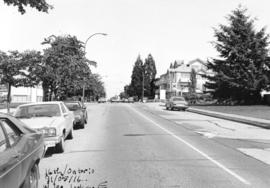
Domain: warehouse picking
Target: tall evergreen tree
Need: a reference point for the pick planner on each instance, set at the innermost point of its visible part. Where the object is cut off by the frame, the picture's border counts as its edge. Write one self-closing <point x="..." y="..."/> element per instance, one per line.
<point x="150" y="75"/>
<point x="193" y="82"/>
<point x="241" y="72"/>
<point x="137" y="78"/>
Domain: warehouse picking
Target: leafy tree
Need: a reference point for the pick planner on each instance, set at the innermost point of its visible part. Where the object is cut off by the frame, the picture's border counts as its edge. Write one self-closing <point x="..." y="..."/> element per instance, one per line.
<point x="12" y="72"/>
<point x="63" y="66"/>
<point x="242" y="70"/>
<point x="95" y="87"/>
<point x="40" y="5"/>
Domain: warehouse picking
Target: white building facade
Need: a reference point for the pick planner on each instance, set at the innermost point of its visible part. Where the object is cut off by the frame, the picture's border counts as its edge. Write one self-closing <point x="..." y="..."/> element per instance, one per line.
<point x="23" y="94"/>
<point x="177" y="79"/>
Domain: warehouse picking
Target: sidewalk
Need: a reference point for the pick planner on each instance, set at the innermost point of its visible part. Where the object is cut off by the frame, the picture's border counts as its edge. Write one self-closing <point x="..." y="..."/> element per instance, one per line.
<point x="258" y="122"/>
<point x="263" y="123"/>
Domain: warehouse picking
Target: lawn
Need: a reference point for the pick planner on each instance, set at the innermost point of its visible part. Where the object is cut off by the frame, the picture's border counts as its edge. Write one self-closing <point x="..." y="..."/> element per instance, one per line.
<point x="256" y="111"/>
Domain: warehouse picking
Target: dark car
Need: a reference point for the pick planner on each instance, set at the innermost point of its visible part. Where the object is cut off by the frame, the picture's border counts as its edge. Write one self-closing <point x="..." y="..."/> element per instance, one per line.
<point x="21" y="150"/>
<point x="176" y="103"/>
<point x="80" y="113"/>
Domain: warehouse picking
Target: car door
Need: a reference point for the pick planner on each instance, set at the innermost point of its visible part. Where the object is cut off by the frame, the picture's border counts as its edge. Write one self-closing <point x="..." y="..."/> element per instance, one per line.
<point x="10" y="158"/>
<point x="83" y="107"/>
<point x="68" y="116"/>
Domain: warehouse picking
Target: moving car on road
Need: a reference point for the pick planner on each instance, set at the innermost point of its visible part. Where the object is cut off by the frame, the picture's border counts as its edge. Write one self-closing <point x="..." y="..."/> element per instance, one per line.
<point x="131" y="100"/>
<point x="176" y="103"/>
<point x="53" y="119"/>
<point x="21" y="150"/>
<point x="80" y="112"/>
<point x="102" y="100"/>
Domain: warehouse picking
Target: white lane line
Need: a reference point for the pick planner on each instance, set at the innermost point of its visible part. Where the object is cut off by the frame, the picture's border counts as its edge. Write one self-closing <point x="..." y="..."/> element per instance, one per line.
<point x="195" y="149"/>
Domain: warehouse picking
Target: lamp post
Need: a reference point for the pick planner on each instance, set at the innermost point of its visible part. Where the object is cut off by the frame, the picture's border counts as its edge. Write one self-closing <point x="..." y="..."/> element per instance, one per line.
<point x="104" y="34"/>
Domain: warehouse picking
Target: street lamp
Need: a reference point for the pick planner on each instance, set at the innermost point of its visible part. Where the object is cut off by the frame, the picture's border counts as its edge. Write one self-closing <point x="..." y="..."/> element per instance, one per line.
<point x="93" y="63"/>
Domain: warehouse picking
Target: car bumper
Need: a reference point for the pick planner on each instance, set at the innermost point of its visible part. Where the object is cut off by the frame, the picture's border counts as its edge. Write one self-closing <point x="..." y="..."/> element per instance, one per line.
<point x="179" y="106"/>
<point x="78" y="121"/>
<point x="51" y="141"/>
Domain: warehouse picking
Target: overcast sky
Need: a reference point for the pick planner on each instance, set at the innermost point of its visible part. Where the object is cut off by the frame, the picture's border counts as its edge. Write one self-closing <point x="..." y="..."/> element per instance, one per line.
<point x="168" y="29"/>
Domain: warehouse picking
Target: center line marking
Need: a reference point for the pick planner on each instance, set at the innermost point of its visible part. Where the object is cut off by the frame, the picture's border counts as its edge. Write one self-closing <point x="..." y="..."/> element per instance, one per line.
<point x="194" y="148"/>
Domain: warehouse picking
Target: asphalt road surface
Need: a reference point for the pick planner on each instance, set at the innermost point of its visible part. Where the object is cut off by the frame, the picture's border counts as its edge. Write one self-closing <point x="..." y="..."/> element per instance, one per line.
<point x="140" y="146"/>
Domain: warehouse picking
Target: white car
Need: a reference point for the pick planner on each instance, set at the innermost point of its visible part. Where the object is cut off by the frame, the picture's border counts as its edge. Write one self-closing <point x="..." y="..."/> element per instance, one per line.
<point x="53" y="119"/>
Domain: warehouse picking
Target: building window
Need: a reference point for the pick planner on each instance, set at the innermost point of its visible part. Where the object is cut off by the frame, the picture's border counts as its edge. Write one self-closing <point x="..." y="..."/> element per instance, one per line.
<point x="20" y="98"/>
<point x="185" y="75"/>
<point x="39" y="98"/>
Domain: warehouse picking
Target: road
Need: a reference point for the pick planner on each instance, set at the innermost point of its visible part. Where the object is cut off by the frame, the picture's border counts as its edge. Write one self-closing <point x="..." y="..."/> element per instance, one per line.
<point x="142" y="146"/>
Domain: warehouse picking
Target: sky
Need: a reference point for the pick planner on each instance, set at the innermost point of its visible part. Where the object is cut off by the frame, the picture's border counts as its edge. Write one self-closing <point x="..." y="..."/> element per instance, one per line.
<point x="168" y="29"/>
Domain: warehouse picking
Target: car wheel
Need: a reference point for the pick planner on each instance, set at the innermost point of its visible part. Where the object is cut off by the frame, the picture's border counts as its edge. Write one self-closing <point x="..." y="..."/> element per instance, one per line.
<point x="70" y="135"/>
<point x="60" y="147"/>
<point x="31" y="180"/>
<point x="82" y="124"/>
<point x="85" y="121"/>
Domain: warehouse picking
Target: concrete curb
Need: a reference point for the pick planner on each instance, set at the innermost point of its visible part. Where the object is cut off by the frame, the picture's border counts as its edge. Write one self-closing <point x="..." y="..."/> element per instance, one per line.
<point x="240" y="119"/>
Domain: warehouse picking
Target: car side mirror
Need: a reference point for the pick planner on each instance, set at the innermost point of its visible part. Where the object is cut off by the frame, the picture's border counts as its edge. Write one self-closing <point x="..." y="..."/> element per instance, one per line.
<point x="65" y="114"/>
<point x="84" y="107"/>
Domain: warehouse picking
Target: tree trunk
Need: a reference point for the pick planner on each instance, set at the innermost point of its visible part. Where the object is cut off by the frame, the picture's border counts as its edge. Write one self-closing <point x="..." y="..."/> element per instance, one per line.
<point x="8" y="98"/>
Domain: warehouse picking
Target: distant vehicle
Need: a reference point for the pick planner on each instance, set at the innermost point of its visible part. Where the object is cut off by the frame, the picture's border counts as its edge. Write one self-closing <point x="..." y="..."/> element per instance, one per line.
<point x="101" y="100"/>
<point x="80" y="112"/>
<point x="176" y="103"/>
<point x="131" y="100"/>
<point x="144" y="99"/>
<point x="53" y="119"/>
<point x="21" y="150"/>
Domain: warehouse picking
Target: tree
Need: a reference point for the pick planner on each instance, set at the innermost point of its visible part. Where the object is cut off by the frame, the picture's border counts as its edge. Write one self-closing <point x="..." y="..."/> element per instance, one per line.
<point x="193" y="82"/>
<point x="95" y="87"/>
<point x="242" y="70"/>
<point x="137" y="78"/>
<point x="12" y="72"/>
<point x="150" y="75"/>
<point x="63" y="67"/>
<point x="40" y="5"/>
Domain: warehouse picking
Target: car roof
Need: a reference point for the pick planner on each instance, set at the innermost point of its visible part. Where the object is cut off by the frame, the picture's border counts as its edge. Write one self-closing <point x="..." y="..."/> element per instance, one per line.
<point x="71" y="101"/>
<point x="37" y="103"/>
<point x="177" y="97"/>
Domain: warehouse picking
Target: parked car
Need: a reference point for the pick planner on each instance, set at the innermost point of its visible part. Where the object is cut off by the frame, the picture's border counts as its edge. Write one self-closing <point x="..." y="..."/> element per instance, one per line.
<point x="53" y="119"/>
<point x="176" y="103"/>
<point x="102" y="100"/>
<point x="21" y="150"/>
<point x="80" y="113"/>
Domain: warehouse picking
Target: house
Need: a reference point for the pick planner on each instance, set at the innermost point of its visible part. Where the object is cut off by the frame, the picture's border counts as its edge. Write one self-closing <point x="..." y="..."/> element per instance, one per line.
<point x="23" y="94"/>
<point x="176" y="81"/>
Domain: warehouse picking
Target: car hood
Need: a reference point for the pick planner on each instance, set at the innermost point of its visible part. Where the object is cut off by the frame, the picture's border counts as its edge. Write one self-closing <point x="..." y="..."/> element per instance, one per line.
<point x="39" y="122"/>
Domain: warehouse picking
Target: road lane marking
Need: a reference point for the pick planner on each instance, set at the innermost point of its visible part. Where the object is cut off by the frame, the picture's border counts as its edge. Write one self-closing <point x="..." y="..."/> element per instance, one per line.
<point x="194" y="148"/>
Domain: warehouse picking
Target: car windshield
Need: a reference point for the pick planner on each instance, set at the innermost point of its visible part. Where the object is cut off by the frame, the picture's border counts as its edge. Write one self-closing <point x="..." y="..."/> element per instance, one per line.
<point x="39" y="110"/>
<point x="73" y="106"/>
<point x="178" y="99"/>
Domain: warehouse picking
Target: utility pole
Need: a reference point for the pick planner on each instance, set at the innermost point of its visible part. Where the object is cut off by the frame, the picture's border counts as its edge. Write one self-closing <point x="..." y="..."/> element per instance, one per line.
<point x="104" y="34"/>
